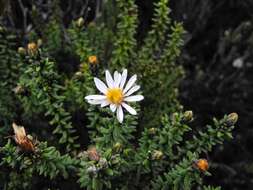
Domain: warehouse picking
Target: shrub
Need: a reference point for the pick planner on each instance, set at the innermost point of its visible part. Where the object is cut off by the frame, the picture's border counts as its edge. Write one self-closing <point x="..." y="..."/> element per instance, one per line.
<point x="77" y="145"/>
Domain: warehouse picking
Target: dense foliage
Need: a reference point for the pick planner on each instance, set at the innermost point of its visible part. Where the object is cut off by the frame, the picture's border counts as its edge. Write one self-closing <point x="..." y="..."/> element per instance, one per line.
<point x="73" y="144"/>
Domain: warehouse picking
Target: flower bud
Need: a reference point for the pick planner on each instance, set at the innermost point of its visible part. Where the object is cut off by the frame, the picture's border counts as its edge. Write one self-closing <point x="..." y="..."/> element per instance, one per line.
<point x="202" y="165"/>
<point x="152" y="131"/>
<point x="80" y="22"/>
<point x="231" y="119"/>
<point x="93" y="154"/>
<point x="188" y="116"/>
<point x="21" y="51"/>
<point x="32" y="48"/>
<point x="174" y="117"/>
<point x="39" y="42"/>
<point x="83" y="67"/>
<point x="78" y="74"/>
<point x="117" y="147"/>
<point x="93" y="60"/>
<point x="227" y="33"/>
<point x="157" y="155"/>
<point x="18" y="89"/>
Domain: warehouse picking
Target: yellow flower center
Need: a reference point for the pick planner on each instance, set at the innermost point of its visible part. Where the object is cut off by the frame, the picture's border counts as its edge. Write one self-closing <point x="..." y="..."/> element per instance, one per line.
<point x="114" y="95"/>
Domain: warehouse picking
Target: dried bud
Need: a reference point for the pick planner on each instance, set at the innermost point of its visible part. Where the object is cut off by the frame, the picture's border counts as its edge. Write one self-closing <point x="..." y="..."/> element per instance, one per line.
<point x="152" y="131"/>
<point x="22" y="140"/>
<point x="157" y="155"/>
<point x="93" y="60"/>
<point x="231" y="119"/>
<point x="80" y="22"/>
<point x="117" y="147"/>
<point x="21" y="51"/>
<point x="93" y="154"/>
<point x="188" y="116"/>
<point x="18" y="90"/>
<point x="32" y="48"/>
<point x="202" y="165"/>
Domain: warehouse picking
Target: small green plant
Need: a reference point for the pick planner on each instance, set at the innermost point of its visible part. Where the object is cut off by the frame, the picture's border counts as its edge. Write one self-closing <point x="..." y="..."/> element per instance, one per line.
<point x="85" y="133"/>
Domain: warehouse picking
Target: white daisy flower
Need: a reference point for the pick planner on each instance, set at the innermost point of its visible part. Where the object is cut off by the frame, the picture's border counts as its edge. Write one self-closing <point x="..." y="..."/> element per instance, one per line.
<point x="116" y="93"/>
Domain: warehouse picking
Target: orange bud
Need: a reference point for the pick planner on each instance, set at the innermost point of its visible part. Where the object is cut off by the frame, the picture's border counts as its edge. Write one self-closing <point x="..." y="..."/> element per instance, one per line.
<point x="202" y="165"/>
<point x="93" y="59"/>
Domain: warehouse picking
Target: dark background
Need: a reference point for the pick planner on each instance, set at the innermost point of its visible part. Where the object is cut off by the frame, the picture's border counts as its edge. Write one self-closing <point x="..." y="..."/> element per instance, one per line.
<point x="218" y="61"/>
<point x="219" y="35"/>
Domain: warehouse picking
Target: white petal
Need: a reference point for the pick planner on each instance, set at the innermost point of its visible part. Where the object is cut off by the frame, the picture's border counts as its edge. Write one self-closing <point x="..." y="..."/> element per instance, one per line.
<point x="135" y="98"/>
<point x="115" y="75"/>
<point x="117" y="78"/>
<point x="123" y="78"/>
<point x="104" y="103"/>
<point x="130" y="83"/>
<point x="109" y="79"/>
<point x="133" y="90"/>
<point x="100" y="85"/>
<point x="113" y="107"/>
<point x="129" y="109"/>
<point x="95" y="97"/>
<point x="95" y="102"/>
<point x="120" y="114"/>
